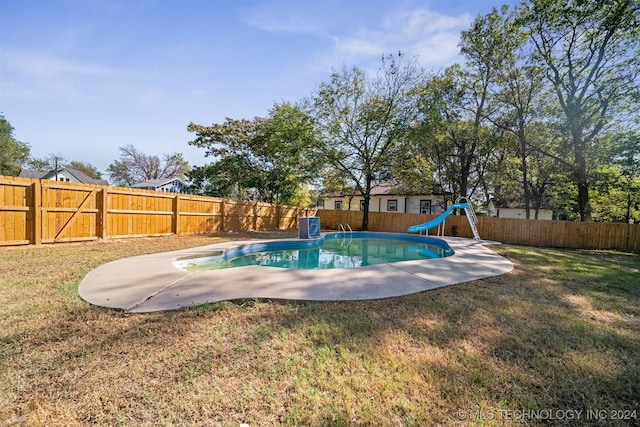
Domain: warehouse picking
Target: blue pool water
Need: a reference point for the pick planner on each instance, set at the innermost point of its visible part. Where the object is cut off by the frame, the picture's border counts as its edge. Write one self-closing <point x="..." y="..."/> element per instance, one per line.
<point x="337" y="250"/>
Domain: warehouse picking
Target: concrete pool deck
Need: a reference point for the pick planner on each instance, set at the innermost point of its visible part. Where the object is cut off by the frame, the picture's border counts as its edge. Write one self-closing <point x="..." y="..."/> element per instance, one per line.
<point x="150" y="283"/>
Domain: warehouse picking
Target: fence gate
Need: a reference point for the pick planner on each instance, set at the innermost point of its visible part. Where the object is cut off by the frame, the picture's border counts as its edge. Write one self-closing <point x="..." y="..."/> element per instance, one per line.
<point x="69" y="213"/>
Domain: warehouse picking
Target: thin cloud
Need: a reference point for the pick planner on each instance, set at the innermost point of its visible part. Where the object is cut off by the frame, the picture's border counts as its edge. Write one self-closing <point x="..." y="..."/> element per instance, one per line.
<point x="357" y="47"/>
<point x="38" y="76"/>
<point x="424" y="21"/>
<point x="271" y="17"/>
<point x="286" y="24"/>
<point x="430" y="36"/>
<point x="41" y="65"/>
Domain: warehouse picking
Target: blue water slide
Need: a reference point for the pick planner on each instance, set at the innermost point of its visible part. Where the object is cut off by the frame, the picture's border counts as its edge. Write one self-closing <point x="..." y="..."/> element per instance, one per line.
<point x="438" y="220"/>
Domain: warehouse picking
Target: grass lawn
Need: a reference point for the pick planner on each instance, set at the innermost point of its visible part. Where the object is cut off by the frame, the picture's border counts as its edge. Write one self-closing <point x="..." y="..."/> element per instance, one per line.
<point x="556" y="341"/>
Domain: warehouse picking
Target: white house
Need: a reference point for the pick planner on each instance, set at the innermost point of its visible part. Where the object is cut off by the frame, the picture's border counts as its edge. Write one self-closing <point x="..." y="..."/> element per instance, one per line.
<point x="170" y="185"/>
<point x="516" y="212"/>
<point x="385" y="197"/>
<point x="63" y="174"/>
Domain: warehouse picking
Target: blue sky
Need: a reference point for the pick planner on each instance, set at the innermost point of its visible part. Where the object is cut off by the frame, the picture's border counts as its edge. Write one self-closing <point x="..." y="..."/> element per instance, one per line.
<point x="80" y="78"/>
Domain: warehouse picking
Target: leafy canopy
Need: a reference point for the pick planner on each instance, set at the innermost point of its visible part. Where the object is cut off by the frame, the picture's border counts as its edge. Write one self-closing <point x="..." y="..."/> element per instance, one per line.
<point x="264" y="159"/>
<point x="361" y="120"/>
<point x="13" y="153"/>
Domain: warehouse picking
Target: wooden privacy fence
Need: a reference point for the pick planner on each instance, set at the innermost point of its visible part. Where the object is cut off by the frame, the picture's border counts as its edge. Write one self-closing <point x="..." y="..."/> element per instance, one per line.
<point x="561" y="234"/>
<point x="34" y="211"/>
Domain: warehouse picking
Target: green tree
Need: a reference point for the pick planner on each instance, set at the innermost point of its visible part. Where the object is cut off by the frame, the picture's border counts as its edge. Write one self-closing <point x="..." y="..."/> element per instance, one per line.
<point x="237" y="171"/>
<point x="412" y="161"/>
<point x="453" y="128"/>
<point x="261" y="159"/>
<point x="292" y="138"/>
<point x="45" y="163"/>
<point x="517" y="94"/>
<point x="135" y="166"/>
<point x="628" y="162"/>
<point x="231" y="177"/>
<point x="486" y="48"/>
<point x="13" y="153"/>
<point x="362" y="119"/>
<point x="453" y="133"/>
<point x="87" y="168"/>
<point x="589" y="52"/>
<point x="543" y="171"/>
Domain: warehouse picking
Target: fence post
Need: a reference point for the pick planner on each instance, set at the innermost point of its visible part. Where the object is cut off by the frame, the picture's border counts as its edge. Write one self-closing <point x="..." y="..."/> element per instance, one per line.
<point x="102" y="205"/>
<point x="222" y="213"/>
<point x="37" y="212"/>
<point x="255" y="216"/>
<point x="175" y="221"/>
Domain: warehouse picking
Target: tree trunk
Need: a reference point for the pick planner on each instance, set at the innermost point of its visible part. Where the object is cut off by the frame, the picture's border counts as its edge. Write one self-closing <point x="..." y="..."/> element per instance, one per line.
<point x="367" y="199"/>
<point x="627" y="215"/>
<point x="365" y="216"/>
<point x="584" y="205"/>
<point x="525" y="171"/>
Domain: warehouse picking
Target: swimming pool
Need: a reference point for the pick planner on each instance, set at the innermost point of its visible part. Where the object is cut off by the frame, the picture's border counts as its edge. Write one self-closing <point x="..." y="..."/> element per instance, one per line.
<point x="149" y="283"/>
<point x="336" y="250"/>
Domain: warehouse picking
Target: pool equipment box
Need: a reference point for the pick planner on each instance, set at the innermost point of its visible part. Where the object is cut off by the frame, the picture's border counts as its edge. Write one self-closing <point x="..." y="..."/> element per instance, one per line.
<point x="309" y="227"/>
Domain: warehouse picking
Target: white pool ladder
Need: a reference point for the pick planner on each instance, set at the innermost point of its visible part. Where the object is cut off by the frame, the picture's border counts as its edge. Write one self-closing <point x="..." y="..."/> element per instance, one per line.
<point x="344" y="228"/>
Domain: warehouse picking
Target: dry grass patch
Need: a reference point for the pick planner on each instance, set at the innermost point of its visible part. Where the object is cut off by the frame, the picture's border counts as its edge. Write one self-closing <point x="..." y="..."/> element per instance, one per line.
<point x="559" y="333"/>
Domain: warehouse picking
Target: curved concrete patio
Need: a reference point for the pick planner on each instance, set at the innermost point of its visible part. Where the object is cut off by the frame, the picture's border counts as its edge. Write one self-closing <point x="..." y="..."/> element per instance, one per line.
<point x="151" y="283"/>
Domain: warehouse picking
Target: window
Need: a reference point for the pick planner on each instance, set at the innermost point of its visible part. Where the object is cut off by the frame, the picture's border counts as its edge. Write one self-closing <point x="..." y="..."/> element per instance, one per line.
<point x="362" y="205"/>
<point x="338" y="205"/>
<point x="392" y="205"/>
<point x="425" y="207"/>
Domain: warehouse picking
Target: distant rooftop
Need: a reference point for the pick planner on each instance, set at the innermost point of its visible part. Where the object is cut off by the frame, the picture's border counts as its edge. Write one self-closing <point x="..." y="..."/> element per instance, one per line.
<point x="77" y="174"/>
<point x="155" y="182"/>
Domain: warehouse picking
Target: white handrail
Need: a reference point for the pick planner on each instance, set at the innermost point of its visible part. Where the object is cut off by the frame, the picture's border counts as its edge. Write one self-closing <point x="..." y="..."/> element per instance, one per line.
<point x="343" y="229"/>
<point x="471" y="216"/>
<point x="473" y="220"/>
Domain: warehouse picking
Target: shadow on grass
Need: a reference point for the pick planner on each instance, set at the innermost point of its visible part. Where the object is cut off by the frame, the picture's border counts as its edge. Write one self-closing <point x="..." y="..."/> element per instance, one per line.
<point x="560" y="332"/>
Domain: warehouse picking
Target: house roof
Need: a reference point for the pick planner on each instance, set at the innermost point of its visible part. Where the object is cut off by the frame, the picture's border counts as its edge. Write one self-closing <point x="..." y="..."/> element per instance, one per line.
<point x="83" y="177"/>
<point x="78" y="174"/>
<point x="387" y="188"/>
<point x="157" y="182"/>
<point x="31" y="174"/>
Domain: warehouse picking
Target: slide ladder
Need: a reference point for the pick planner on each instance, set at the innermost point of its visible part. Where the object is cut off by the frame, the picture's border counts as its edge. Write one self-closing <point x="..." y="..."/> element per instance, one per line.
<point x="473" y="220"/>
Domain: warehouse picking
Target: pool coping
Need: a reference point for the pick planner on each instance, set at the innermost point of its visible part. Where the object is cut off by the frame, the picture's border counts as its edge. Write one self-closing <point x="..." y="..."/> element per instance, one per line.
<point x="150" y="283"/>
